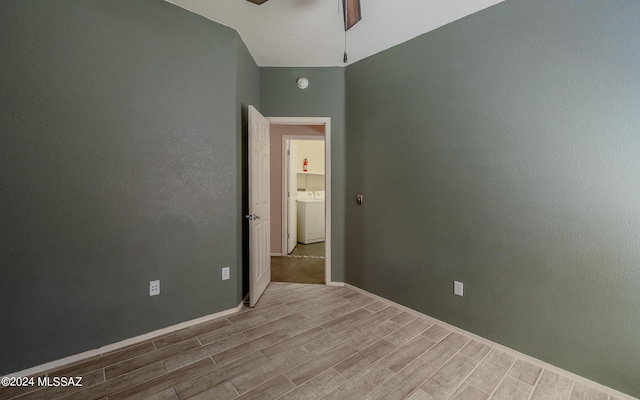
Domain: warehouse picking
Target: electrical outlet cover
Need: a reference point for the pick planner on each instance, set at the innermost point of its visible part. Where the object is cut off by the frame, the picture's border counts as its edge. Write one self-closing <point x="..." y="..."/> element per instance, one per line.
<point x="154" y="288"/>
<point x="225" y="273"/>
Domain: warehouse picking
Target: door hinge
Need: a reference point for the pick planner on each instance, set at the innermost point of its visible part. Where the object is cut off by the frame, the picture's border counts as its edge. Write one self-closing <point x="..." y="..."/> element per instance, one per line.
<point x="288" y="152"/>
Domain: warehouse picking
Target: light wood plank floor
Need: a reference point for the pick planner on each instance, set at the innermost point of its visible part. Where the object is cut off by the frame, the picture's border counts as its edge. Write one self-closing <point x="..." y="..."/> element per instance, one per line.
<point x="312" y="342"/>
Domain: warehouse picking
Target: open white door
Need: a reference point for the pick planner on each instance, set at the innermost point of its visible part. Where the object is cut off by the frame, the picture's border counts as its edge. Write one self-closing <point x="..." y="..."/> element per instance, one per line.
<point x="292" y="190"/>
<point x="259" y="211"/>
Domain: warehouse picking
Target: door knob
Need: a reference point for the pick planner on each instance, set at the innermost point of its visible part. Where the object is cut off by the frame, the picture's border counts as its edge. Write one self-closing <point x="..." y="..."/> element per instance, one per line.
<point x="251" y="217"/>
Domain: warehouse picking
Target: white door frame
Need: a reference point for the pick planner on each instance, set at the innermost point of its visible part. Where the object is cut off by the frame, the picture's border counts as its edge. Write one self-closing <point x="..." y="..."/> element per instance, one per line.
<point x="326" y="122"/>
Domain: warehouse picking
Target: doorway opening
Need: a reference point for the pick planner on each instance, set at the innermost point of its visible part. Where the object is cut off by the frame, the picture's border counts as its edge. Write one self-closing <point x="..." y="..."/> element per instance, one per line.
<point x="300" y="201"/>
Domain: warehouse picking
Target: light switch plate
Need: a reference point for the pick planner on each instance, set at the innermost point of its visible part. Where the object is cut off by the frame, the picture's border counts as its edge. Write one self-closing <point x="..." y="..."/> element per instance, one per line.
<point x="458" y="288"/>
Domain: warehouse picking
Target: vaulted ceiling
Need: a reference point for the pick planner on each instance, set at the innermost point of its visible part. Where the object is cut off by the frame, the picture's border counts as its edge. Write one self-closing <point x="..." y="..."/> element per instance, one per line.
<point x="311" y="32"/>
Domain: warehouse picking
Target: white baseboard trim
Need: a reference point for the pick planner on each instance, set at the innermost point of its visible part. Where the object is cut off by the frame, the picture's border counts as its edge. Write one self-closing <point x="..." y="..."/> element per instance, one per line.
<point x="124" y="343"/>
<point x="276" y="255"/>
<point x="335" y="283"/>
<point x="515" y="353"/>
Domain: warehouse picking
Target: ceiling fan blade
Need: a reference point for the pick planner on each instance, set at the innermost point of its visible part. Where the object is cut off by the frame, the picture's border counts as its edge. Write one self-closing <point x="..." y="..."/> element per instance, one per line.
<point x="258" y="2"/>
<point x="352" y="13"/>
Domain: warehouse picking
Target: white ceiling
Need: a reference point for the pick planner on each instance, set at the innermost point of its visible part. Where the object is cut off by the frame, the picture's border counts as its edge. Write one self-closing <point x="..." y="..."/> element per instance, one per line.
<point x="311" y="32"/>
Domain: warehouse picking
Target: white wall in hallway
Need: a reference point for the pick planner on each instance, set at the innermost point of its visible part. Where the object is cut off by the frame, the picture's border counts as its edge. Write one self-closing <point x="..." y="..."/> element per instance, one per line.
<point x="313" y="151"/>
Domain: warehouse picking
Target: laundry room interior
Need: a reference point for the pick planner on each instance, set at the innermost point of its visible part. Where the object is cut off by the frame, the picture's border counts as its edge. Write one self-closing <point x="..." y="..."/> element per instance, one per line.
<point x="298" y="203"/>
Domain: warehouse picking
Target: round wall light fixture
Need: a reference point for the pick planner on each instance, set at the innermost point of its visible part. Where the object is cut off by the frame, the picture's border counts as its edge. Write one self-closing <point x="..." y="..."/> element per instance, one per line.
<point x="302" y="82"/>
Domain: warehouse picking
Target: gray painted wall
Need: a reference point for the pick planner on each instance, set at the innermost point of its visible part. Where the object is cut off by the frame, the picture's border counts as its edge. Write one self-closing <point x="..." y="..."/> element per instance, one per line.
<point x="120" y="162"/>
<point x="280" y="97"/>
<point x="502" y="151"/>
